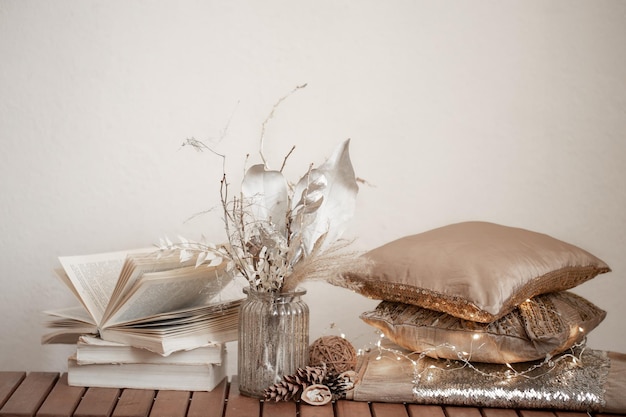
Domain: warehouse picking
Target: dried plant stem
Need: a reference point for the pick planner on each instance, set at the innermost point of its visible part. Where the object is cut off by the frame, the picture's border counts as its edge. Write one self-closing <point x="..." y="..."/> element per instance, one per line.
<point x="304" y="203"/>
<point x="228" y="219"/>
<point x="287" y="157"/>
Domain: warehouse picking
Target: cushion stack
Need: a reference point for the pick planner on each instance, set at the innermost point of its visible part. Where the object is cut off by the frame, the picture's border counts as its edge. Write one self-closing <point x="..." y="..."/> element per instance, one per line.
<point x="481" y="292"/>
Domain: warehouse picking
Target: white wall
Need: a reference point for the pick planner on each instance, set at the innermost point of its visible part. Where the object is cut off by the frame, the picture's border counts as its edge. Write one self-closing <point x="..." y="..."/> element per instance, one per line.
<point x="507" y="111"/>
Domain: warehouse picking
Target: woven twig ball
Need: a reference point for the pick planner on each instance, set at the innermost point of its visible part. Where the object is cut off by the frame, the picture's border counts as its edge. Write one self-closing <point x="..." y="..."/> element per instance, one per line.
<point x="335" y="352"/>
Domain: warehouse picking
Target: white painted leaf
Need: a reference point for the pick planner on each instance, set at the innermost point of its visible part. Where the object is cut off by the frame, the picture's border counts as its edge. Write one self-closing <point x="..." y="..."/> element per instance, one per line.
<point x="338" y="199"/>
<point x="201" y="258"/>
<point x="215" y="261"/>
<point x="185" y="255"/>
<point x="267" y="195"/>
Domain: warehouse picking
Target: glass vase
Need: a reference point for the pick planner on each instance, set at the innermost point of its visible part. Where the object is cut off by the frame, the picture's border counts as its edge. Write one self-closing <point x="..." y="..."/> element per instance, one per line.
<point x="273" y="339"/>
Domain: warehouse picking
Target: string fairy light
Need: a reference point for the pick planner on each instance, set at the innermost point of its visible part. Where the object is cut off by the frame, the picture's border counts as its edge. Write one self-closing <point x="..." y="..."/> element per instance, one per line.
<point x="463" y="359"/>
<point x="446" y="373"/>
<point x="547" y="365"/>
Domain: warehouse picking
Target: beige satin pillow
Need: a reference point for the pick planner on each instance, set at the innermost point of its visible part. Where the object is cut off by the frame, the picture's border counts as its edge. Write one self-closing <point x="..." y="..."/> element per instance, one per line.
<point x="546" y="325"/>
<point x="474" y="270"/>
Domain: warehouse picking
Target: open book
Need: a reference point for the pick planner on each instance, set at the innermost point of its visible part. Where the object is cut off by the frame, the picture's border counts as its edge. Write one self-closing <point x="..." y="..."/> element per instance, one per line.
<point x="147" y="299"/>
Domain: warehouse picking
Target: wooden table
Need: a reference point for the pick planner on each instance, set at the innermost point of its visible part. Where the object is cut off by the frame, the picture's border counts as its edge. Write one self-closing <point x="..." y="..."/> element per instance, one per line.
<point x="46" y="394"/>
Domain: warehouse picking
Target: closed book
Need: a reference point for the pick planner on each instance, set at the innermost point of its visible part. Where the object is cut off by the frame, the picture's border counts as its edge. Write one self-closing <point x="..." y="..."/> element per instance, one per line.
<point x="154" y="376"/>
<point x="90" y="350"/>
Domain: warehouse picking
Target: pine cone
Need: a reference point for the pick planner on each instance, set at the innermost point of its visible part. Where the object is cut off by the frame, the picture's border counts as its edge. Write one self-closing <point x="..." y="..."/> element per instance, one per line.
<point x="340" y="384"/>
<point x="290" y="385"/>
<point x="281" y="391"/>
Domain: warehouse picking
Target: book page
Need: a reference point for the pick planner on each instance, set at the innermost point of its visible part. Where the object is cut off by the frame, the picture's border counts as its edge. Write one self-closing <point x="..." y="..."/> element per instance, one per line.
<point x="168" y="339"/>
<point x="135" y="266"/>
<point x="93" y="278"/>
<point x="161" y="292"/>
<point x="67" y="325"/>
<point x="183" y="316"/>
<point x="62" y="275"/>
<point x="77" y="314"/>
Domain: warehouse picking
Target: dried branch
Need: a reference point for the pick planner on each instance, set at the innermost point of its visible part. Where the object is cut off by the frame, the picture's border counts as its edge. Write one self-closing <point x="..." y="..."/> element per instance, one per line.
<point x="286" y="157"/>
<point x="270" y="116"/>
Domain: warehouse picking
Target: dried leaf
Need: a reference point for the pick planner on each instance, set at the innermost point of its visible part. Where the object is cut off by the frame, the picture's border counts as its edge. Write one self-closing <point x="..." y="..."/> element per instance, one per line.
<point x="201" y="257"/>
<point x="185" y="255"/>
<point x="338" y="199"/>
<point x="267" y="194"/>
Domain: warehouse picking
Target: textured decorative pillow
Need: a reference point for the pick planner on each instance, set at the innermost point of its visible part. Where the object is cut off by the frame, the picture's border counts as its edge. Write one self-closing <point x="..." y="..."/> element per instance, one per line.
<point x="545" y="325"/>
<point x="474" y="270"/>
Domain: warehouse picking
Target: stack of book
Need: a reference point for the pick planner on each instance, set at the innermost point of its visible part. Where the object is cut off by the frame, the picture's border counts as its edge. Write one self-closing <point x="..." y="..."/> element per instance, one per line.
<point x="102" y="363"/>
<point x="146" y="320"/>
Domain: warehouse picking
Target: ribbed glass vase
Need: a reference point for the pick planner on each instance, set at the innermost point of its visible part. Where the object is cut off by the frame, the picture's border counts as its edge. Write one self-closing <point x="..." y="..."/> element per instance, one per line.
<point x="273" y="339"/>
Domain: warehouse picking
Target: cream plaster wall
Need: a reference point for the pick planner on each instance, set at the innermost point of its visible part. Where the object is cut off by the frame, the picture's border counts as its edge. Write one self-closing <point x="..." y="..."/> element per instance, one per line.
<point x="506" y="111"/>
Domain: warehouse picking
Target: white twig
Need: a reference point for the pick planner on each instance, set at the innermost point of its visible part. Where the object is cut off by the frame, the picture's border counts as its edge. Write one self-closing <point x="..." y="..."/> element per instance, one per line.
<point x="270" y="116"/>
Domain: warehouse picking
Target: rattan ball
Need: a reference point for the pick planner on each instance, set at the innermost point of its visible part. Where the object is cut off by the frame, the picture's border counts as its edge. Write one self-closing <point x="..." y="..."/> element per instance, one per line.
<point x="335" y="352"/>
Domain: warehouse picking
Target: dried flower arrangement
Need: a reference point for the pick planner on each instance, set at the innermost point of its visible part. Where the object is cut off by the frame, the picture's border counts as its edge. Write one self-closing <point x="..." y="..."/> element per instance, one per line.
<point x="280" y="233"/>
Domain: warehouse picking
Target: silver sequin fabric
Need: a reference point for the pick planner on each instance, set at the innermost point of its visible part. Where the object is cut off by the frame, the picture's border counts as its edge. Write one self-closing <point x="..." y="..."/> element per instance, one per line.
<point x="562" y="384"/>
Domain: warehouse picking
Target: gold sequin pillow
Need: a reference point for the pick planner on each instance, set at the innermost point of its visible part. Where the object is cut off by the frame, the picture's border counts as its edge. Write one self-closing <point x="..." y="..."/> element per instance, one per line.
<point x="545" y="325"/>
<point x="476" y="271"/>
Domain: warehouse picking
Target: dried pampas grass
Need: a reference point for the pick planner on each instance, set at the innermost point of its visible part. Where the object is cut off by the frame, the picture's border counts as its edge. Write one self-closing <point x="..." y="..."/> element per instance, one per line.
<point x="328" y="265"/>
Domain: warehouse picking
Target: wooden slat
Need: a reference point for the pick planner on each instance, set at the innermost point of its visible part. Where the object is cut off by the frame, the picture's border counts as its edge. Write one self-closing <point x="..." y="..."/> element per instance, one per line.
<point x="134" y="403"/>
<point x="462" y="412"/>
<point x="9" y="382"/>
<point x="209" y="404"/>
<point x="388" y="410"/>
<point x="62" y="400"/>
<point x="279" y="409"/>
<point x="239" y="405"/>
<point x="346" y="408"/>
<point x="536" y="413"/>
<point x="501" y="412"/>
<point x="97" y="402"/>
<point x="419" y="410"/>
<point x="170" y="404"/>
<point x="29" y="395"/>
<point x="307" y="410"/>
<point x="45" y="394"/>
